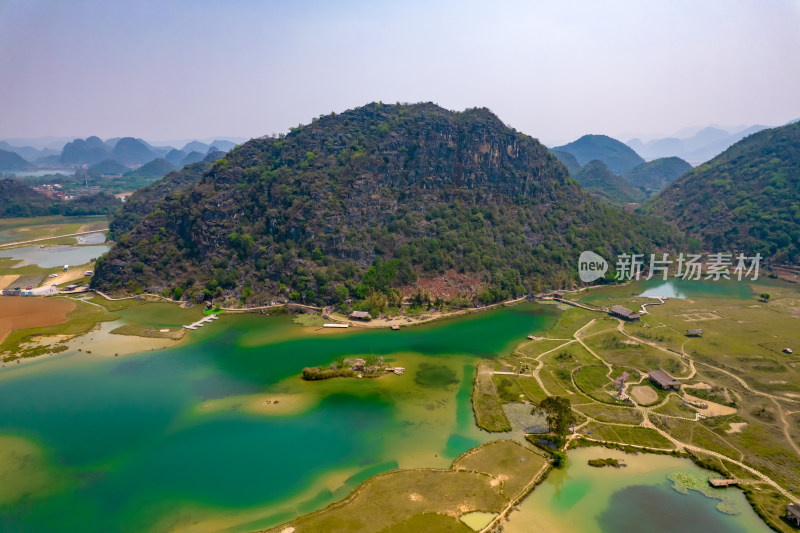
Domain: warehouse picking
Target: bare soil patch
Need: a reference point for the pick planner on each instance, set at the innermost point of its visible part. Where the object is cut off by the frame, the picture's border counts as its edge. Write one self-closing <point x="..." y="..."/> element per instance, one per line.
<point x="643" y="394"/>
<point x="696" y="317"/>
<point x="17" y="312"/>
<point x="713" y="409"/>
<point x="736" y="427"/>
<point x="72" y="274"/>
<point x="446" y="286"/>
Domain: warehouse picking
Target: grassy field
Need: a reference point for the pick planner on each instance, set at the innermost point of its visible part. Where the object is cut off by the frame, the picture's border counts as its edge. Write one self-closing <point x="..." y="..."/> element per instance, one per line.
<point x="26" y="229"/>
<point x="484" y="479"/>
<point x="144" y="318"/>
<point x="739" y="364"/>
<point x="486" y="404"/>
<point x="81" y="320"/>
<point x="639" y="436"/>
<point x="142" y="331"/>
<point x="593" y="381"/>
<point x="509" y="462"/>
<point x="610" y="413"/>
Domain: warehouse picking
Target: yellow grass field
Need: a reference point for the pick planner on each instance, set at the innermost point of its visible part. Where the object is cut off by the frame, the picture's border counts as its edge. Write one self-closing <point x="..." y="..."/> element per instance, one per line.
<point x="7" y="281"/>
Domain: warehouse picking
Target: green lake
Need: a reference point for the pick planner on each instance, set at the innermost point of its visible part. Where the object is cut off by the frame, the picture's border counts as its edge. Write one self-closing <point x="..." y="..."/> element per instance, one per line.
<point x="638" y="497"/>
<point x="150" y="441"/>
<point x="220" y="433"/>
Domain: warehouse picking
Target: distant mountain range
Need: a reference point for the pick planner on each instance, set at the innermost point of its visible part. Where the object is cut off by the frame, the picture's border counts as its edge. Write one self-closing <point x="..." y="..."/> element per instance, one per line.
<point x="696" y="149"/>
<point x="12" y="161"/>
<point x="632" y="180"/>
<point x="129" y="152"/>
<point x="617" y="156"/>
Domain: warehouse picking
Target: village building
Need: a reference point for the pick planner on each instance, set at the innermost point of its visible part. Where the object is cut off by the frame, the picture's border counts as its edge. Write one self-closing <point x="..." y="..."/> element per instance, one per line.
<point x="663" y="380"/>
<point x="793" y="514"/>
<point x="360" y="315"/>
<point x="624" y="313"/>
<point x="694" y="332"/>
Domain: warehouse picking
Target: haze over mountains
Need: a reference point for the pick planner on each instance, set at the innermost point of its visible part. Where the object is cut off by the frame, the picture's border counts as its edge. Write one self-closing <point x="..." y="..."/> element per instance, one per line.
<point x="649" y="166"/>
<point x="697" y="148"/>
<point x="590" y="161"/>
<point x="129" y="152"/>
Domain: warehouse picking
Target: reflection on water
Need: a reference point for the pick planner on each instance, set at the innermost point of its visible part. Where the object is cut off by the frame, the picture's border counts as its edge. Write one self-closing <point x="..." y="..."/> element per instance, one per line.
<point x="683" y="288"/>
<point x="671" y="288"/>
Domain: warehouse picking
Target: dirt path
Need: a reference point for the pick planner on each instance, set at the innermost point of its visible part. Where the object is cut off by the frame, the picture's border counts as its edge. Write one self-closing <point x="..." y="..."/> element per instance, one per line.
<point x="580" y="340"/>
<point x="540" y="364"/>
<point x="782" y="415"/>
<point x="647" y="411"/>
<point x="513" y="502"/>
<point x="621" y="329"/>
<point x="747" y="387"/>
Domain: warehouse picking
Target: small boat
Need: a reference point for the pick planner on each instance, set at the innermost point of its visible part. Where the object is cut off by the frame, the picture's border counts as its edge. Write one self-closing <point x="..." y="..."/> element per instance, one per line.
<point x="395" y="327"/>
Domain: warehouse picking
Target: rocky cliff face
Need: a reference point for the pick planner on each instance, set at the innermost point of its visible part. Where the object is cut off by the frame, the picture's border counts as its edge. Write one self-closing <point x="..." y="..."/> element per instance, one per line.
<point x="369" y="200"/>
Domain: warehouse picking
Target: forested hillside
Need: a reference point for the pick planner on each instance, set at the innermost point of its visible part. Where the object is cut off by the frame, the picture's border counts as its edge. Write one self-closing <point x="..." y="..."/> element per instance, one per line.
<point x="144" y="200"/>
<point x="595" y="177"/>
<point x="746" y="199"/>
<point x="617" y="156"/>
<point x="657" y="174"/>
<point x="363" y="204"/>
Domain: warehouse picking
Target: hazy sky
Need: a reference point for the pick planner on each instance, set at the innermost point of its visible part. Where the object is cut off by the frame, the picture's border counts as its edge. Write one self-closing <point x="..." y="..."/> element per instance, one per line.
<point x="555" y="70"/>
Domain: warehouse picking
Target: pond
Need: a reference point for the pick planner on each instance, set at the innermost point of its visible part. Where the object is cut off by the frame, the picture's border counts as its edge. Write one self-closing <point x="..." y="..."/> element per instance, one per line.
<point x="637" y="497"/>
<point x="672" y="288"/>
<point x="55" y="256"/>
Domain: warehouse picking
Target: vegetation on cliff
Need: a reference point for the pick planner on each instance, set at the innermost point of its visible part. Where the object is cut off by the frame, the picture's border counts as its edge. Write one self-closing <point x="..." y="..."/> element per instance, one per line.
<point x="361" y="205"/>
<point x="595" y="177"/>
<point x="746" y="199"/>
<point x="617" y="156"/>
<point x="657" y="174"/>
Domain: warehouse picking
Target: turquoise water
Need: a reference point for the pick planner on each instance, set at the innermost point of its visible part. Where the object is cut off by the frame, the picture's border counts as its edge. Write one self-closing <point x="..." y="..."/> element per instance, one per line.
<point x="130" y="450"/>
<point x="55" y="256"/>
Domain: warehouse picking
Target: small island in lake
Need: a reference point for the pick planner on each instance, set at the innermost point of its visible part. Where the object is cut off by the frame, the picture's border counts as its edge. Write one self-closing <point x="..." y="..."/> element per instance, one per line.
<point x="600" y="463"/>
<point x="370" y="366"/>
